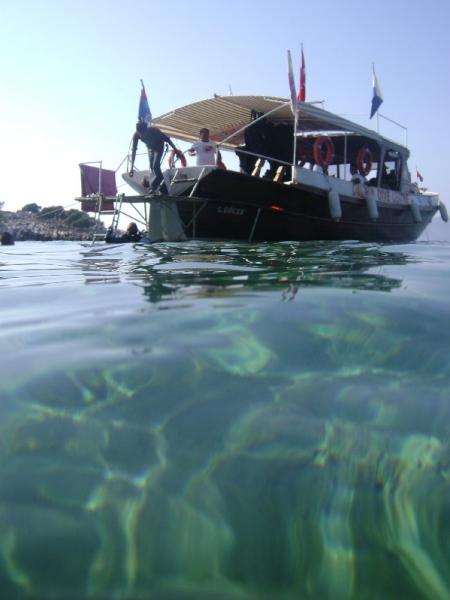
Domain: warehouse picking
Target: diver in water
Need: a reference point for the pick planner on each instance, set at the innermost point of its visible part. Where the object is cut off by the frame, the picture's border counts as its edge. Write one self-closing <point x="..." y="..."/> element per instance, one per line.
<point x="132" y="234"/>
<point x="7" y="239"/>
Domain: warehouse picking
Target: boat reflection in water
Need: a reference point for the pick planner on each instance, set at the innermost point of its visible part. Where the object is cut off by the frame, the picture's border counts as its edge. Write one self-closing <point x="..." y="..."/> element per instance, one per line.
<point x="234" y="270"/>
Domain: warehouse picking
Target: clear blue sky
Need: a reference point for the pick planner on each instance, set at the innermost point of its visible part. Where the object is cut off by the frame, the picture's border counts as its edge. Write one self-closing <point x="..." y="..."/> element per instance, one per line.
<point x="70" y="74"/>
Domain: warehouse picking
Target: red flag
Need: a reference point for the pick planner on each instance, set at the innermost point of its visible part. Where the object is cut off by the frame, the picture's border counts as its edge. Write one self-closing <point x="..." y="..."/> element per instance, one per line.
<point x="418" y="175"/>
<point x="302" y="90"/>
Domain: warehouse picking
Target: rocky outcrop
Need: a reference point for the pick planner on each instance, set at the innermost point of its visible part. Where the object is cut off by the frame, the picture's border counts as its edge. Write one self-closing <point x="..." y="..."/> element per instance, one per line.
<point x="28" y="226"/>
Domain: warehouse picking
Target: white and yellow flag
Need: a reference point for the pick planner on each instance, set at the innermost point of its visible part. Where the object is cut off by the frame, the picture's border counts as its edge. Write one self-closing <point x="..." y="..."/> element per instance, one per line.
<point x="292" y="83"/>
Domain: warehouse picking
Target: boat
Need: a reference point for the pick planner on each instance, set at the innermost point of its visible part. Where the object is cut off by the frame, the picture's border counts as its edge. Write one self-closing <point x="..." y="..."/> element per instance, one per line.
<point x="300" y="175"/>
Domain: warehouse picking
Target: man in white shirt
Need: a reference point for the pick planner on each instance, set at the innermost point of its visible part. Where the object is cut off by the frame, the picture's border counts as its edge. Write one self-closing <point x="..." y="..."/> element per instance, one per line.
<point x="205" y="150"/>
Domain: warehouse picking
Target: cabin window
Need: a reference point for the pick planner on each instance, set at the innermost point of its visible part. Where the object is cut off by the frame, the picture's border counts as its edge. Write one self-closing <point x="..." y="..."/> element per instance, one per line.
<point x="371" y="176"/>
<point x="333" y="170"/>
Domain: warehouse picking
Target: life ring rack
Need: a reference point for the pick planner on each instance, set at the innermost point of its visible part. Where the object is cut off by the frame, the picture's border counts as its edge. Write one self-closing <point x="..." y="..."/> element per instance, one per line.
<point x="364" y="161"/>
<point x="178" y="154"/>
<point x="323" y="151"/>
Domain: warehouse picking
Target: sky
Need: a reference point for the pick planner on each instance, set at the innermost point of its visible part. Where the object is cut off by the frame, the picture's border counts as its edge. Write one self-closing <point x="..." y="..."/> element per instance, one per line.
<point x="70" y="75"/>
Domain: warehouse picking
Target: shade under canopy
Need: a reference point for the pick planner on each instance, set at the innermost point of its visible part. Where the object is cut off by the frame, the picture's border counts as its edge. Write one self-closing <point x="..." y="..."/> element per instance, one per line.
<point x="225" y="115"/>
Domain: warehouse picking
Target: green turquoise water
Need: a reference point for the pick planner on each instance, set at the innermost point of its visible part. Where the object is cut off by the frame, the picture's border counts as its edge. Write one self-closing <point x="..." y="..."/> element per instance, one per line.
<point x="225" y="421"/>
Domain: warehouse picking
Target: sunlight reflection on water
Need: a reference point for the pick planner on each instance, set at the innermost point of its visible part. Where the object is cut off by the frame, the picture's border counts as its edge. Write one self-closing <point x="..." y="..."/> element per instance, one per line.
<point x="208" y="420"/>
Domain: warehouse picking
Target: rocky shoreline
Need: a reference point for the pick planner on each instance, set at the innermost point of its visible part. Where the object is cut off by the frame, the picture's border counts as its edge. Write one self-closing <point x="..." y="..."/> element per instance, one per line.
<point x="25" y="226"/>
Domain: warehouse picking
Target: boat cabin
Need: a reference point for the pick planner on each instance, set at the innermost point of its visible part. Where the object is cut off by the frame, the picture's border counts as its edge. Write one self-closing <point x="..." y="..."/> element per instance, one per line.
<point x="342" y="156"/>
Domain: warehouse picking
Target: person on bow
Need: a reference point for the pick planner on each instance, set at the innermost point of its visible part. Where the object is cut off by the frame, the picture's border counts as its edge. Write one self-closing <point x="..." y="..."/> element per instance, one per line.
<point x="154" y="139"/>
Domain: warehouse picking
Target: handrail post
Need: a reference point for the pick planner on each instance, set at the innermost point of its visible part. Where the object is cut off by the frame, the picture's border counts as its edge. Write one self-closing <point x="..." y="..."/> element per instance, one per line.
<point x="294" y="154"/>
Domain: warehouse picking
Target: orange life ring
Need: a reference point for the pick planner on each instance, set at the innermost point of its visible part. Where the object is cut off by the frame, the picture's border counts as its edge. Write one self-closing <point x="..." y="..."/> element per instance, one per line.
<point x="180" y="155"/>
<point x="364" y="161"/>
<point x="323" y="151"/>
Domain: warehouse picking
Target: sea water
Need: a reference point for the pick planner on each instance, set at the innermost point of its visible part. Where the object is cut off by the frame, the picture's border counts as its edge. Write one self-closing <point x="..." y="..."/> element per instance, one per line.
<point x="225" y="421"/>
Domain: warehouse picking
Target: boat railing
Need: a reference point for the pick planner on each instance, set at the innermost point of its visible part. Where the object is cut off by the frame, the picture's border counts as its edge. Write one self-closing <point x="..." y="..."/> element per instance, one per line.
<point x="264" y="157"/>
<point x="279" y="173"/>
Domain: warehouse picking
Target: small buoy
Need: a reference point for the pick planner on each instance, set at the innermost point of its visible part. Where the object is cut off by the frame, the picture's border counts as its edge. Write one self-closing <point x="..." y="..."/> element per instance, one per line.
<point x="443" y="211"/>
<point x="371" y="203"/>
<point x="334" y="204"/>
<point x="417" y="216"/>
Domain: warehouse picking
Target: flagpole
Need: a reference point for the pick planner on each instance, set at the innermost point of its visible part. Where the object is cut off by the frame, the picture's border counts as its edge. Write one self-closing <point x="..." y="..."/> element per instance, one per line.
<point x="294" y="157"/>
<point x="294" y="108"/>
<point x="405" y="129"/>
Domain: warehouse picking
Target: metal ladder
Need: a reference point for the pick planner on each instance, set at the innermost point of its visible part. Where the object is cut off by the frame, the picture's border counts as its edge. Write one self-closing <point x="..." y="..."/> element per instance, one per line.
<point x="115" y="220"/>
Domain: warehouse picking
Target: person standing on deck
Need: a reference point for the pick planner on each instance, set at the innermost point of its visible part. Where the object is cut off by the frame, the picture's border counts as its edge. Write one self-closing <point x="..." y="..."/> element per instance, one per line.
<point x="205" y="150"/>
<point x="154" y="139"/>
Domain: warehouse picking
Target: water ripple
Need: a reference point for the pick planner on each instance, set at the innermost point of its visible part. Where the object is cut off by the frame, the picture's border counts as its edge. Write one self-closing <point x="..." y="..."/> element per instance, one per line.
<point x="225" y="421"/>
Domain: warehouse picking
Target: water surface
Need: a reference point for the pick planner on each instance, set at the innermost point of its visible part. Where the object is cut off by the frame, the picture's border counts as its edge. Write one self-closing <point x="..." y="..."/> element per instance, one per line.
<point x="225" y="421"/>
